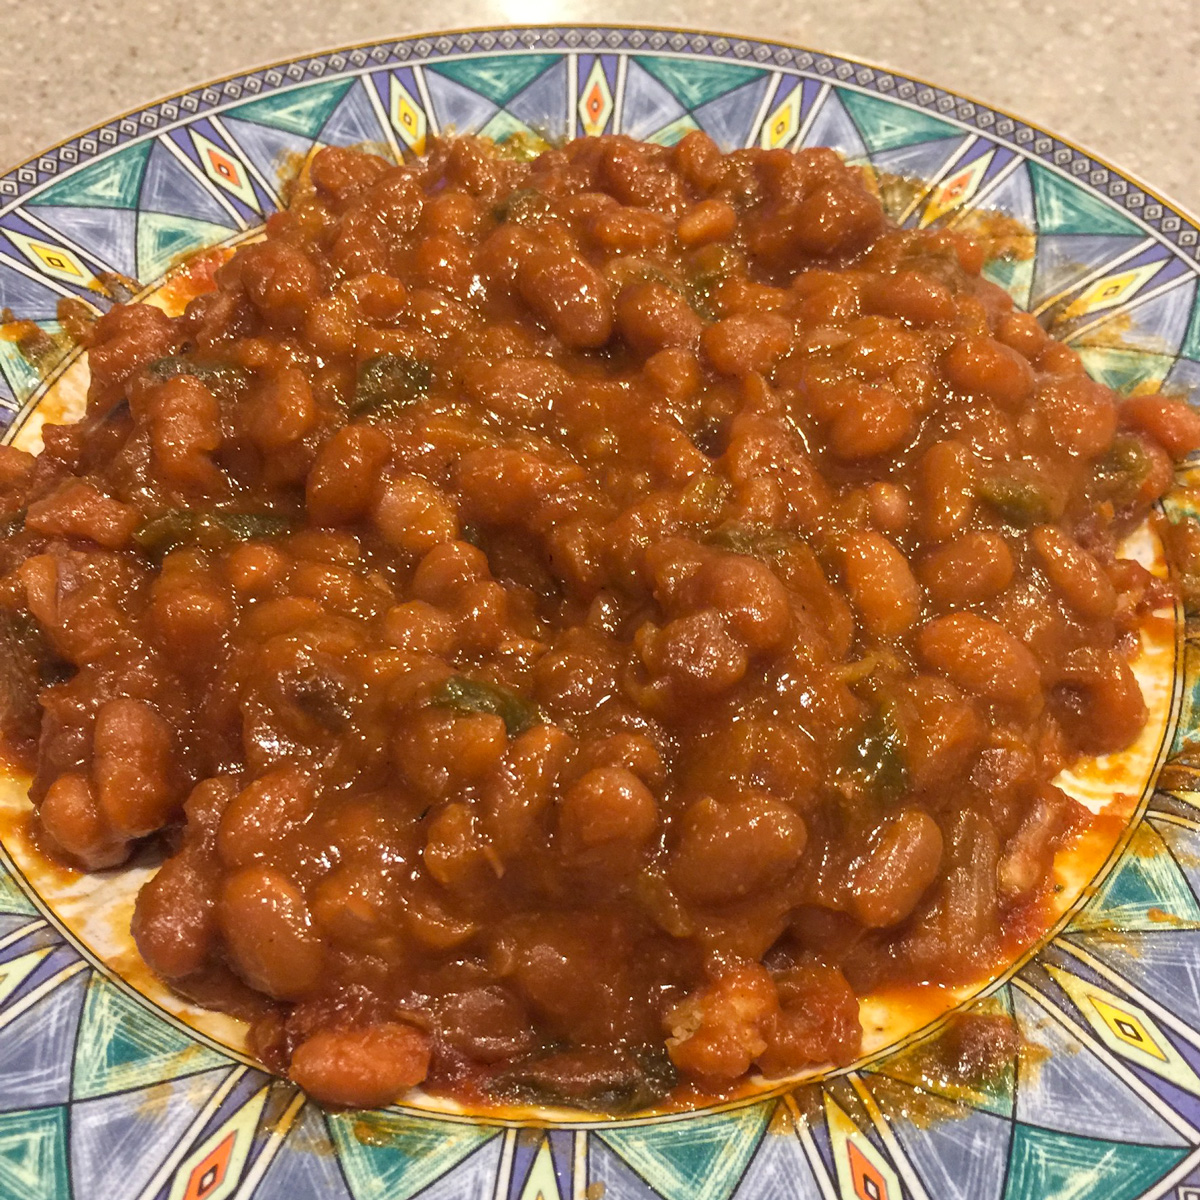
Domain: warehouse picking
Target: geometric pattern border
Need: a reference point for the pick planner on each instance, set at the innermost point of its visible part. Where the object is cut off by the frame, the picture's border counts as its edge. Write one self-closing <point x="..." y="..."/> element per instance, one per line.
<point x="1145" y="206"/>
<point x="1099" y="1098"/>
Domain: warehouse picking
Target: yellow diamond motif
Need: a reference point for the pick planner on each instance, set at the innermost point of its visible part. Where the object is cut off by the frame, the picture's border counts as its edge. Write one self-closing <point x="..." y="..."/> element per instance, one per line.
<point x="226" y="170"/>
<point x="1111" y="290"/>
<point x="955" y="191"/>
<point x="1127" y="1029"/>
<point x="56" y="261"/>
<point x="862" y="1172"/>
<point x="596" y="103"/>
<point x="783" y="124"/>
<point x="408" y="117"/>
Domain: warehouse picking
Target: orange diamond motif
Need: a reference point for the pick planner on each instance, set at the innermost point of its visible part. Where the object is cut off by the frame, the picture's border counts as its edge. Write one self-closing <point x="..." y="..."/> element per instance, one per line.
<point x="209" y="1173"/>
<point x="213" y="1170"/>
<point x="225" y="170"/>
<point x="863" y="1173"/>
<point x="596" y="106"/>
<point x="225" y="167"/>
<point x="869" y="1184"/>
<point x="954" y="192"/>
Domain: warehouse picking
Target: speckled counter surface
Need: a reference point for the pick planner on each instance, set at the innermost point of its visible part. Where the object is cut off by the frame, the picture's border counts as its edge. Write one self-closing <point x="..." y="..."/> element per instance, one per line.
<point x="1117" y="76"/>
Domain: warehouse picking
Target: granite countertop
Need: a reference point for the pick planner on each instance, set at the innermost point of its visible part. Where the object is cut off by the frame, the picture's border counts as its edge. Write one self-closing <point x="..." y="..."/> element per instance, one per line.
<point x="1117" y="76"/>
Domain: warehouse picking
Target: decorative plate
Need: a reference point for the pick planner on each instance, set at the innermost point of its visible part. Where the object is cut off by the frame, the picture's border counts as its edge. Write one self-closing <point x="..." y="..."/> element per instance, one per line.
<point x="110" y="1090"/>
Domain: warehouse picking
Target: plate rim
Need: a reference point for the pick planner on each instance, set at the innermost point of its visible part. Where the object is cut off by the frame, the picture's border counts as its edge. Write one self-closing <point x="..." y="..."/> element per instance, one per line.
<point x="540" y="28"/>
<point x="1178" y="696"/>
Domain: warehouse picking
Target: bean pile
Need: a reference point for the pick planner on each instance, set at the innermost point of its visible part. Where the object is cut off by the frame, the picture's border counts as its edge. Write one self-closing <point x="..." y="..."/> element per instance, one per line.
<point x="577" y="622"/>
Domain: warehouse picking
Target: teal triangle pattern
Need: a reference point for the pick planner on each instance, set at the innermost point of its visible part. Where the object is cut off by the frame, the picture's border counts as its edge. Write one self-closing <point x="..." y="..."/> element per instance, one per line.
<point x="1014" y="275"/>
<point x="699" y="1159"/>
<point x="1185" y="847"/>
<point x="113" y="182"/>
<point x="696" y="81"/>
<point x="1125" y="370"/>
<point x="1145" y="889"/>
<point x="504" y="125"/>
<point x="1060" y="1166"/>
<point x="163" y="240"/>
<point x="12" y="899"/>
<point x="1014" y="196"/>
<point x="25" y="376"/>
<point x="123" y="1045"/>
<point x="499" y="78"/>
<point x="117" y="1142"/>
<point x="392" y="1156"/>
<point x="1062" y="1085"/>
<point x="301" y="110"/>
<point x="33" y="1155"/>
<point x="1065" y="207"/>
<point x="675" y="132"/>
<point x="886" y="125"/>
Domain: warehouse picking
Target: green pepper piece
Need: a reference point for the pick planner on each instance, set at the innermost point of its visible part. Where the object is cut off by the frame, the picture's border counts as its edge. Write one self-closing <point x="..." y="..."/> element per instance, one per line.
<point x="1122" y="471"/>
<point x="219" y="376"/>
<point x="476" y="696"/>
<point x="1019" y="502"/>
<point x="879" y="754"/>
<point x="757" y="541"/>
<point x="522" y="206"/>
<point x="160" y="535"/>
<point x="711" y="267"/>
<point x="248" y="526"/>
<point x="609" y="1080"/>
<point x="179" y="527"/>
<point x="521" y="146"/>
<point x="388" y="383"/>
